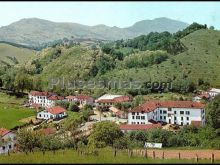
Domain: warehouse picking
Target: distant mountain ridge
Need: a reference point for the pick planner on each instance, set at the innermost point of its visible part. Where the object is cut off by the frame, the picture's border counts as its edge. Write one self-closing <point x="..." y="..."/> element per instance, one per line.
<point x="35" y="31"/>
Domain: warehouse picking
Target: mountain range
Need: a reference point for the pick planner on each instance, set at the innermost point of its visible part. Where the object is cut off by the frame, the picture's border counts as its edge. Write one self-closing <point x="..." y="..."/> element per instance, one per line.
<point x="35" y="31"/>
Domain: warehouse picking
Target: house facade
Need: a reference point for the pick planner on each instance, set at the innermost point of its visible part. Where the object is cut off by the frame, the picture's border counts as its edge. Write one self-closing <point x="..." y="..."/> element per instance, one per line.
<point x="8" y="141"/>
<point x="54" y="113"/>
<point x="109" y="100"/>
<point x="43" y="99"/>
<point x="172" y="112"/>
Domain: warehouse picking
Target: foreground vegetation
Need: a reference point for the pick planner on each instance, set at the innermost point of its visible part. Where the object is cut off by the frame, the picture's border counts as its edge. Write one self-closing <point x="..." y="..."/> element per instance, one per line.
<point x="72" y="156"/>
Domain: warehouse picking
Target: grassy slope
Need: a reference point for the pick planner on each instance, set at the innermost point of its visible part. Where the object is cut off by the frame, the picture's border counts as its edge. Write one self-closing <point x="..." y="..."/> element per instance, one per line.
<point x="71" y="156"/>
<point x="11" y="111"/>
<point x="196" y="63"/>
<point x="21" y="54"/>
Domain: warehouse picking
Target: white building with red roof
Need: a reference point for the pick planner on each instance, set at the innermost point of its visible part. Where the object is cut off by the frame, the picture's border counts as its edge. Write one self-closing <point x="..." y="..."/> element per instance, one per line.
<point x="54" y="113"/>
<point x="109" y="100"/>
<point x="43" y="99"/>
<point x="172" y="112"/>
<point x="8" y="140"/>
<point x="82" y="99"/>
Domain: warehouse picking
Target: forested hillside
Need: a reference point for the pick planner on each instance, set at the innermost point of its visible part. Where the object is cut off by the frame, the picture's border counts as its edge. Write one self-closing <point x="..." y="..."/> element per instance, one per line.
<point x="189" y="59"/>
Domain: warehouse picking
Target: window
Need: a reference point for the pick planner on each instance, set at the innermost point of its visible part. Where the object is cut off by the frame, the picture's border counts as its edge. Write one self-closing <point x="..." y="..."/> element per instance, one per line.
<point x="187" y="113"/>
<point x="160" y="117"/>
<point x="143" y="117"/>
<point x="137" y="122"/>
<point x="142" y="112"/>
<point x="160" y="111"/>
<point x="3" y="148"/>
<point x="137" y="117"/>
<point x="187" y="118"/>
<point x="142" y="123"/>
<point x="181" y="112"/>
<point x="164" y="117"/>
<point x="187" y="123"/>
<point x="132" y="117"/>
<point x="137" y="113"/>
<point x="169" y="109"/>
<point x="9" y="146"/>
<point x="133" y="113"/>
<point x="174" y="117"/>
<point x="174" y="112"/>
<point x="174" y="122"/>
<point x="164" y="112"/>
<point x="181" y="123"/>
<point x="181" y="118"/>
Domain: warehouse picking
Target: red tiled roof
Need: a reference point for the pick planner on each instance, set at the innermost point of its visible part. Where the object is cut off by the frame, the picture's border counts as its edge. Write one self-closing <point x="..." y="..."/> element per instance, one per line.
<point x="4" y="131"/>
<point x="70" y="97"/>
<point x="55" y="97"/>
<point x="82" y="97"/>
<point x="37" y="93"/>
<point x="196" y="123"/>
<point x="152" y="105"/>
<point x="115" y="100"/>
<point x="139" y="126"/>
<point x="204" y="95"/>
<point x="56" y="110"/>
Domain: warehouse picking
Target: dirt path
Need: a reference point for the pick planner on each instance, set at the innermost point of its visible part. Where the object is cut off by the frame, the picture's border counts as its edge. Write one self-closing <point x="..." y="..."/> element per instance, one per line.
<point x="184" y="154"/>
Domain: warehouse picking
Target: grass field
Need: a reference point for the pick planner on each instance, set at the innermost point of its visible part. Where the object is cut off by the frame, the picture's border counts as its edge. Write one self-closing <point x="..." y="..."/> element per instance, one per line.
<point x="71" y="156"/>
<point x="11" y="111"/>
<point x="21" y="54"/>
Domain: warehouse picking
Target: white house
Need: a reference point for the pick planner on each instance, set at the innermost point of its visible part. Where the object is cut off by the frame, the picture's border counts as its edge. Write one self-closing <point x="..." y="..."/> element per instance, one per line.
<point x="54" y="113"/>
<point x="214" y="92"/>
<point x="43" y="99"/>
<point x="82" y="99"/>
<point x="8" y="140"/>
<point x="109" y="100"/>
<point x="172" y="112"/>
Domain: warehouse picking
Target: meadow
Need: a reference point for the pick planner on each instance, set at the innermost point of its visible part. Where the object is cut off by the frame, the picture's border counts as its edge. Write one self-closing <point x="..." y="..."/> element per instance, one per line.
<point x="72" y="156"/>
<point x="21" y="54"/>
<point x="11" y="111"/>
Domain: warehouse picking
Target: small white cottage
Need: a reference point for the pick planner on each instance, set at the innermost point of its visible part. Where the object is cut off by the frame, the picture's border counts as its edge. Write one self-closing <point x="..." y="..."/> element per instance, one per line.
<point x="54" y="113"/>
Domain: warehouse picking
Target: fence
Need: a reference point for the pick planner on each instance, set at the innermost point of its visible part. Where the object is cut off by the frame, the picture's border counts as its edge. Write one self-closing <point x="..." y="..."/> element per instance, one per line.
<point x="179" y="154"/>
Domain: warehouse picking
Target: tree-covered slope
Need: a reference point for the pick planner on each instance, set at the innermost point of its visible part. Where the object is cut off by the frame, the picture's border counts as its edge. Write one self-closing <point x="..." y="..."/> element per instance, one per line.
<point x="199" y="61"/>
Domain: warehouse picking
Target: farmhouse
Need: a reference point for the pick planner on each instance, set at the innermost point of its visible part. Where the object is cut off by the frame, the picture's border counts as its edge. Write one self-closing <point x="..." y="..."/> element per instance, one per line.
<point x="43" y="99"/>
<point x="214" y="92"/>
<point x="172" y="112"/>
<point x="109" y="100"/>
<point x="82" y="99"/>
<point x="8" y="139"/>
<point x="54" y="113"/>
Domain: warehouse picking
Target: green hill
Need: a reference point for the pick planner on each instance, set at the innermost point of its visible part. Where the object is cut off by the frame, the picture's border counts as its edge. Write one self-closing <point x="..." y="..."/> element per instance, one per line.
<point x="200" y="60"/>
<point x="10" y="54"/>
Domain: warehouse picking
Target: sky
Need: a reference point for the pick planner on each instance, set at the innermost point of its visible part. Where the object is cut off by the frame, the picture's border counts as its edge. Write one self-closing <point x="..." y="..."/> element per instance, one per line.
<point x="121" y="14"/>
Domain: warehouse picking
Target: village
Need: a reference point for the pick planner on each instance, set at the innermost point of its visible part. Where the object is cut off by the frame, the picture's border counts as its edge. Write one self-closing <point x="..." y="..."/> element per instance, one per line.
<point x="169" y="115"/>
